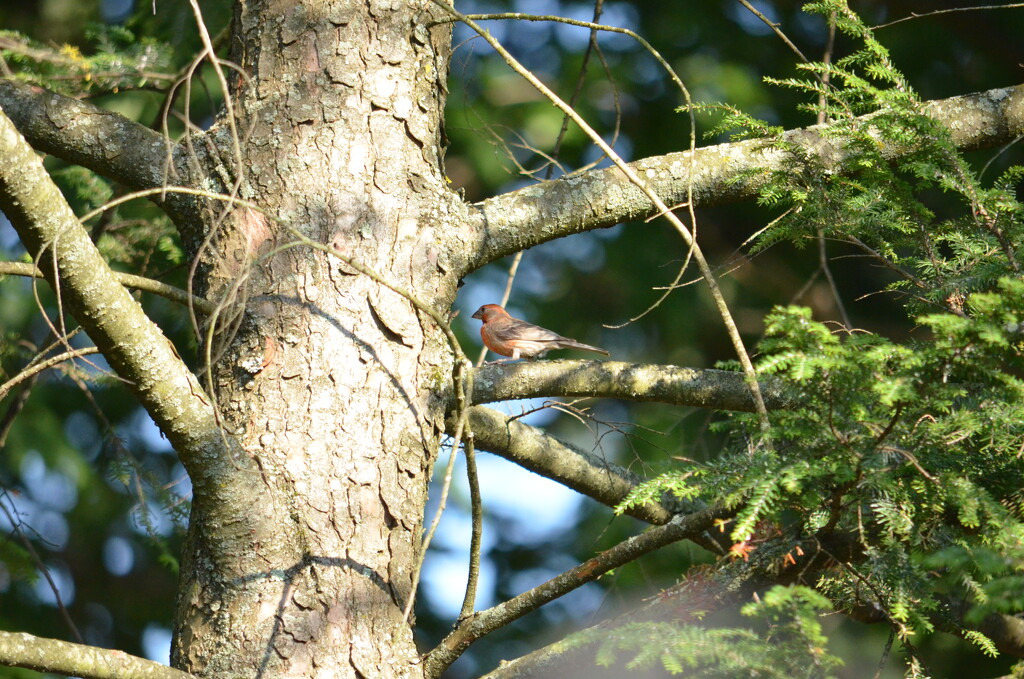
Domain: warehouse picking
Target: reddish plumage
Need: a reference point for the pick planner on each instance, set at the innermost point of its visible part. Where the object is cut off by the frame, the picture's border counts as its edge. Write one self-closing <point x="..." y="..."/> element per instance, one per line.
<point x="512" y="337"/>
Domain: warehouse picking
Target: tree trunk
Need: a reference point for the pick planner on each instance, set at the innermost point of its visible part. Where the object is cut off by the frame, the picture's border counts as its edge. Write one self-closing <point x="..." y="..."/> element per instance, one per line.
<point x="329" y="380"/>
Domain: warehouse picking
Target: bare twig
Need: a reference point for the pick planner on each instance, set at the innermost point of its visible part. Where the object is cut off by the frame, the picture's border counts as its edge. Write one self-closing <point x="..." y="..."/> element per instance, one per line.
<point x="469" y="601"/>
<point x="130" y="280"/>
<point x="921" y="15"/>
<point x="33" y="370"/>
<point x="463" y="387"/>
<point x="577" y="469"/>
<point x="476" y="509"/>
<point x="775" y="29"/>
<point x="27" y="544"/>
<point x="593" y="26"/>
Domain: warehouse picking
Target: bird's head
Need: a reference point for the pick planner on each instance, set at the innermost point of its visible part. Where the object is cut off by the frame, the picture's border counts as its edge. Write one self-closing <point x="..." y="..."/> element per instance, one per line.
<point x="489" y="311"/>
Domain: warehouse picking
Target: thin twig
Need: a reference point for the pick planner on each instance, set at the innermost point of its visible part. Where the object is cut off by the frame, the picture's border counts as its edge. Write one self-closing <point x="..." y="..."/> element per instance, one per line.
<point x="888" y="264"/>
<point x="129" y="280"/>
<point x="16" y="405"/>
<point x="239" y="174"/>
<point x="476" y="507"/>
<point x="775" y="28"/>
<point x="27" y="544"/>
<point x="13" y="410"/>
<point x="667" y="290"/>
<point x="823" y="262"/>
<point x="826" y="269"/>
<point x="591" y="46"/>
<point x="885" y="653"/>
<point x="476" y="538"/>
<point x="31" y="371"/>
<point x="61" y="334"/>
<point x="463" y="423"/>
<point x="922" y="15"/>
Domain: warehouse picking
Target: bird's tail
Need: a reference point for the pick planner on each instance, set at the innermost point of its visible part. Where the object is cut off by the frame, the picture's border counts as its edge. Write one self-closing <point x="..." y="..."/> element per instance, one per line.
<point x="573" y="344"/>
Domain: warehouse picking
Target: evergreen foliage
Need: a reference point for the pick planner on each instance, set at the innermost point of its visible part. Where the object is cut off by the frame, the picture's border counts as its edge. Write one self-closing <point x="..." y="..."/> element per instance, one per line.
<point x="901" y="466"/>
<point x="789" y="643"/>
<point x="119" y="60"/>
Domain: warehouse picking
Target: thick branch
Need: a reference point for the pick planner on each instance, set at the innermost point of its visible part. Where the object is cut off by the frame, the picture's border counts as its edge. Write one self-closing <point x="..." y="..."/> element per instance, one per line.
<point x="480" y="624"/>
<point x="714" y="389"/>
<point x="131" y="342"/>
<point x="100" y="140"/>
<point x="87" y="135"/>
<point x="585" y="473"/>
<point x="602" y="198"/>
<point x="62" y="657"/>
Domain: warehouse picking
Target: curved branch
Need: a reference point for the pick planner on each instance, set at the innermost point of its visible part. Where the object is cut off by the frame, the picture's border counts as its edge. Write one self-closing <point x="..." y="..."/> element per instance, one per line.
<point x="62" y="657"/>
<point x="675" y="385"/>
<point x="585" y="473"/>
<point x="45" y="364"/>
<point x="681" y="527"/>
<point x="95" y="138"/>
<point x="603" y="198"/>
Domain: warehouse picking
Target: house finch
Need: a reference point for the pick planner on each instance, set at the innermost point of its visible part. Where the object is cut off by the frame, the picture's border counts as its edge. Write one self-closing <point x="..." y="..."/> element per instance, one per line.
<point x="509" y="336"/>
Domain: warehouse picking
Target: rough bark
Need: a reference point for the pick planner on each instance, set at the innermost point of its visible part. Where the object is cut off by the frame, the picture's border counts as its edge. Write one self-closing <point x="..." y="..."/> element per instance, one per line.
<point x="328" y="378"/>
<point x="85" y="134"/>
<point x="715" y="389"/>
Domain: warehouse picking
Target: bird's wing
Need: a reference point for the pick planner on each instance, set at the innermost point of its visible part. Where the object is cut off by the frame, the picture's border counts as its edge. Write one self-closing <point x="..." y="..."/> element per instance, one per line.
<point x="515" y="329"/>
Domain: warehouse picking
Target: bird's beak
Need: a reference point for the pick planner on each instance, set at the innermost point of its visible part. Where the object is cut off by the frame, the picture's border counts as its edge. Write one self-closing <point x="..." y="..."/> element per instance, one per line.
<point x="479" y="313"/>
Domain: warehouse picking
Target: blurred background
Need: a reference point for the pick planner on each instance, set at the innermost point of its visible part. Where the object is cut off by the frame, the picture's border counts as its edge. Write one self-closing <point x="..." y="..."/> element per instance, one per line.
<point x="98" y="496"/>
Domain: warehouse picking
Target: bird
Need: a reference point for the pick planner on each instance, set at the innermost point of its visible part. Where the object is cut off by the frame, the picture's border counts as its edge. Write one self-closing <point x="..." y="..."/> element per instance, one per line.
<point x="517" y="339"/>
